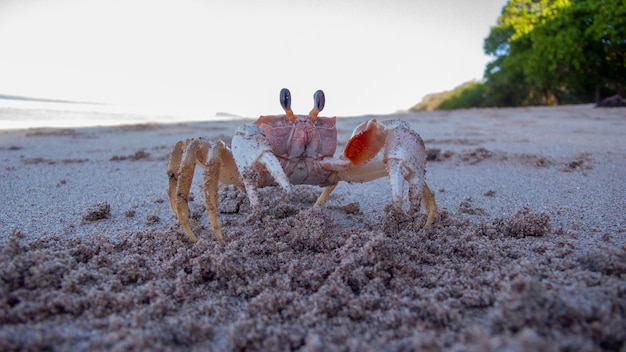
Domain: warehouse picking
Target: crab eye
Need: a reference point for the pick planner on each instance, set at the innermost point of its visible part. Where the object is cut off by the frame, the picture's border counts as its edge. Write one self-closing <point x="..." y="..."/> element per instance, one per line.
<point x="319" y="100"/>
<point x="285" y="99"/>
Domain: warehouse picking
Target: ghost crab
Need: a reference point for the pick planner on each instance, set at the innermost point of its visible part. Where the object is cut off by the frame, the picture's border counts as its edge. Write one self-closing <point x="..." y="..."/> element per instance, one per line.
<point x="299" y="149"/>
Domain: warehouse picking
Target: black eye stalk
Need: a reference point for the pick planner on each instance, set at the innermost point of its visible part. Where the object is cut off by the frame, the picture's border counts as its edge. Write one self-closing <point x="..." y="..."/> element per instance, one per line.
<point x="285" y="102"/>
<point x="285" y="99"/>
<point x="319" y="100"/>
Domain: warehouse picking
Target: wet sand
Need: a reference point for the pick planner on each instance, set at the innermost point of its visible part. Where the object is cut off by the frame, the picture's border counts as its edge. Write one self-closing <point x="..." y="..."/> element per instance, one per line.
<point x="528" y="252"/>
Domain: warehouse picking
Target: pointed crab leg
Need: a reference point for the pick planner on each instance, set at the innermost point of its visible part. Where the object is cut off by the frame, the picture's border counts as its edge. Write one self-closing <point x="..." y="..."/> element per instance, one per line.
<point x="212" y="168"/>
<point x="253" y="156"/>
<point x="430" y="205"/>
<point x="322" y="198"/>
<point x="172" y="172"/>
<point x="184" y="177"/>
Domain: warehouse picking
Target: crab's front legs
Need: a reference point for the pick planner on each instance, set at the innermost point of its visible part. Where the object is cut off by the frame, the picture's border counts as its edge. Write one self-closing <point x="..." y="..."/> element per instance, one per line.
<point x="404" y="160"/>
<point x="256" y="162"/>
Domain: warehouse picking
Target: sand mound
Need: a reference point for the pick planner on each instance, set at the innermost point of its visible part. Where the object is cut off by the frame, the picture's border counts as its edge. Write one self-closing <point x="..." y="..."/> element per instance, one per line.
<point x="296" y="279"/>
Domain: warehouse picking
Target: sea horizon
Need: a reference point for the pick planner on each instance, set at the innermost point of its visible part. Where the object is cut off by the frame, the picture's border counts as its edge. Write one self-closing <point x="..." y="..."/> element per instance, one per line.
<point x="56" y="113"/>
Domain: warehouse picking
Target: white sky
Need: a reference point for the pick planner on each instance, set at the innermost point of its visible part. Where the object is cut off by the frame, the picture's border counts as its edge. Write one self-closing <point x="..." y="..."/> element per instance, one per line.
<point x="369" y="56"/>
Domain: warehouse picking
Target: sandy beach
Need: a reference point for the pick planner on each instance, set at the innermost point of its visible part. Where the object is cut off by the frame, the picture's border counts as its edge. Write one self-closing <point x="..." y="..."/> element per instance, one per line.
<point x="528" y="251"/>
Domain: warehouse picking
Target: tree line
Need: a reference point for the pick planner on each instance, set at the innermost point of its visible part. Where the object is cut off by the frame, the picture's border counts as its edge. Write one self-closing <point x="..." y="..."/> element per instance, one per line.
<point x="548" y="52"/>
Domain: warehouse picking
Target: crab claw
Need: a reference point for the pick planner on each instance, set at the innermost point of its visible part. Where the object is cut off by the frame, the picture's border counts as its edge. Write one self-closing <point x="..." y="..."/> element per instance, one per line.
<point x="366" y="141"/>
<point x="403" y="162"/>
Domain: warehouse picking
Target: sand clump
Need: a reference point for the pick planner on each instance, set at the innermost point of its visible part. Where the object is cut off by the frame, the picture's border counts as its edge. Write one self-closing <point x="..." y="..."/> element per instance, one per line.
<point x="297" y="280"/>
<point x="98" y="211"/>
<point x="138" y="155"/>
<point x="524" y="223"/>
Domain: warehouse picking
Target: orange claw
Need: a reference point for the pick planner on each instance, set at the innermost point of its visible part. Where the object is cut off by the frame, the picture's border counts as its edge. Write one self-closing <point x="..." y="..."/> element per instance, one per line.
<point x="365" y="143"/>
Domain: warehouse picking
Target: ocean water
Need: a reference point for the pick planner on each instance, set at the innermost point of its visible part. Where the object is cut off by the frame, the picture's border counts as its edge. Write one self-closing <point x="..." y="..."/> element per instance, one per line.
<point x="21" y="114"/>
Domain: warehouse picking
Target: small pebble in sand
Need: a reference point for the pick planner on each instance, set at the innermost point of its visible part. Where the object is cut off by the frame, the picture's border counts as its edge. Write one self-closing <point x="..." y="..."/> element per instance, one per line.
<point x="152" y="219"/>
<point x="97" y="212"/>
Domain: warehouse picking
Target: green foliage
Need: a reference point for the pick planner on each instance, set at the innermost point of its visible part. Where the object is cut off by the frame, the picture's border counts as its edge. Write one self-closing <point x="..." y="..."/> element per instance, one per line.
<point x="467" y="95"/>
<point x="556" y="51"/>
<point x="431" y="101"/>
<point x="548" y="52"/>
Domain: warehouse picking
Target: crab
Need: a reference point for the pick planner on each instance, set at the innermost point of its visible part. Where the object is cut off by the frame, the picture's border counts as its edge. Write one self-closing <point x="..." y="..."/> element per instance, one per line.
<point x="293" y="149"/>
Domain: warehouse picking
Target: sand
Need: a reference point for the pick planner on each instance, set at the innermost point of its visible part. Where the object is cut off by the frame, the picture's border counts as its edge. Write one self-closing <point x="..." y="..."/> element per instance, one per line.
<point x="528" y="252"/>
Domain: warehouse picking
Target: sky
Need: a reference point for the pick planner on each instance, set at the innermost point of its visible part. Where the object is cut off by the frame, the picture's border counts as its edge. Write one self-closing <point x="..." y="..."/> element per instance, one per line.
<point x="369" y="56"/>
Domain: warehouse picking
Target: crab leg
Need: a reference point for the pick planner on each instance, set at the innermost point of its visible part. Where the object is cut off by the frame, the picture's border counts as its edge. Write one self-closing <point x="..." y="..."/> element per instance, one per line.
<point x="429" y="204"/>
<point x="212" y="167"/>
<point x="322" y="198"/>
<point x="253" y="155"/>
<point x="218" y="165"/>
<point x="182" y="180"/>
<point x="172" y="172"/>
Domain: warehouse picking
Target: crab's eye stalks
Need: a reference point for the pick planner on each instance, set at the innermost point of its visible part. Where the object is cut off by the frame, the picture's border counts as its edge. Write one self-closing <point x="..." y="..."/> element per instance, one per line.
<point x="285" y="102"/>
<point x="318" y="104"/>
<point x="285" y="99"/>
<point x="319" y="100"/>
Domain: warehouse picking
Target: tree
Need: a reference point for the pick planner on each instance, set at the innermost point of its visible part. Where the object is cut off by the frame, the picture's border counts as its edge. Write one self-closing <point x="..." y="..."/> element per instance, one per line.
<point x="469" y="94"/>
<point x="556" y="51"/>
<point x="608" y="29"/>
